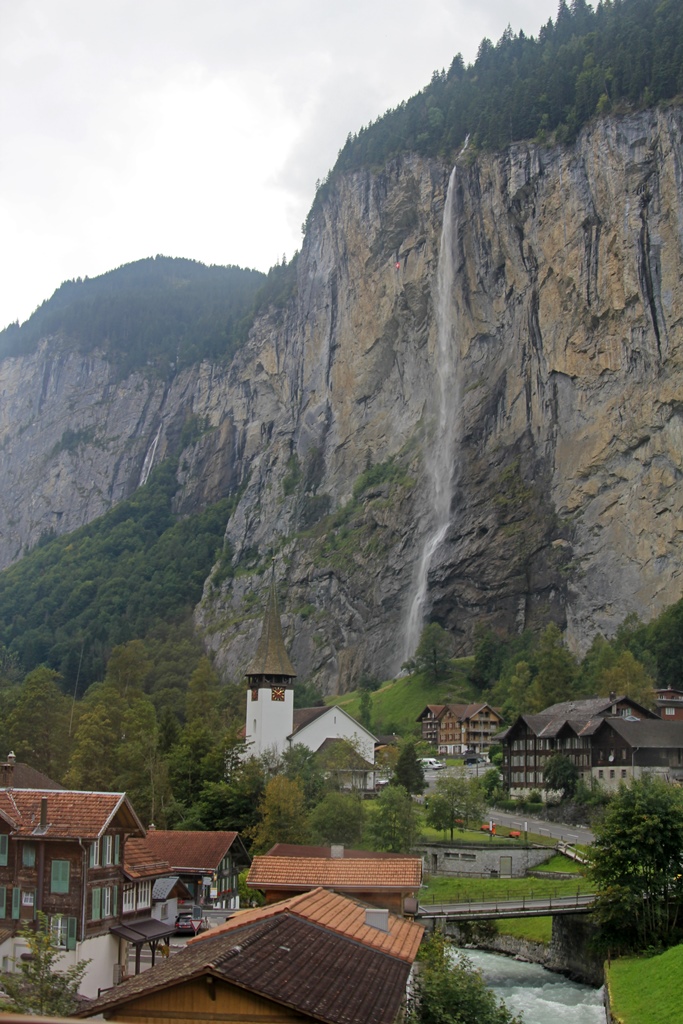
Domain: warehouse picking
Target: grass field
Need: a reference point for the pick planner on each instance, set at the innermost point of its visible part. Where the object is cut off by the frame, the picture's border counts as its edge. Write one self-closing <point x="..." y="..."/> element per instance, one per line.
<point x="457" y="890"/>
<point x="396" y="705"/>
<point x="533" y="929"/>
<point x="561" y="863"/>
<point x="647" y="990"/>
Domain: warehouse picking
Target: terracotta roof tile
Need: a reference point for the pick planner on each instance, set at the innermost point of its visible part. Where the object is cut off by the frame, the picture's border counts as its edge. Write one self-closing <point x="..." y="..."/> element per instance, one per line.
<point x="141" y="861"/>
<point x="70" y="814"/>
<point x="352" y="874"/>
<point x="194" y="851"/>
<point x="296" y="850"/>
<point x="340" y="914"/>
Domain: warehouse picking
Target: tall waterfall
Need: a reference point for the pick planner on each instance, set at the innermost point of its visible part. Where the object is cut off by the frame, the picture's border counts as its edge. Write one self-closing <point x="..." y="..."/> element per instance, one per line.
<point x="440" y="461"/>
<point x="149" y="458"/>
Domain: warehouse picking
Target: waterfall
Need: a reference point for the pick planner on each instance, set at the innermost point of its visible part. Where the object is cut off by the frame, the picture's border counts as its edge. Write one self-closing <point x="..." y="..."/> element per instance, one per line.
<point x="440" y="453"/>
<point x="149" y="458"/>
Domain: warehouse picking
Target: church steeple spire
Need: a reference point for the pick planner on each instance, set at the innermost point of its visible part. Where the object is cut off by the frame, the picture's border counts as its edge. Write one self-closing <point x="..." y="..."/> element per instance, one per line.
<point x="270" y="705"/>
<point x="271" y="659"/>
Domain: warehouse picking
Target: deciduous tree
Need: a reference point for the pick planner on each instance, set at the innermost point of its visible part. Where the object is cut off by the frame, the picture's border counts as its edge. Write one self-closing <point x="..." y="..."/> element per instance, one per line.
<point x="37" y="987"/>
<point x="408" y="772"/>
<point x="635" y="863"/>
<point x="560" y="774"/>
<point x="283" y="815"/>
<point x="449" y="990"/>
<point x="393" y="826"/>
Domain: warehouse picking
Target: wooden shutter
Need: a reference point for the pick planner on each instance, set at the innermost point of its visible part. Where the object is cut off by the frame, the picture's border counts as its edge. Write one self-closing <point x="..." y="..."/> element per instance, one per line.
<point x="96" y="904"/>
<point x="71" y="932"/>
<point x="4" y="847"/>
<point x="114" y="900"/>
<point x="3" y="901"/>
<point x="60" y="876"/>
<point x="117" y="849"/>
<point x="16" y="902"/>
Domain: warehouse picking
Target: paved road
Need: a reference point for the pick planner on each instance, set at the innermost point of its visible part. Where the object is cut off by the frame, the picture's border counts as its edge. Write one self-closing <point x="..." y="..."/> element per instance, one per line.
<point x="567" y="833"/>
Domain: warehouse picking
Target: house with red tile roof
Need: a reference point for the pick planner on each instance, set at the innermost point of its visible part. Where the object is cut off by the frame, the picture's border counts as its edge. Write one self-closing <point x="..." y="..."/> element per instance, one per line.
<point x="62" y="853"/>
<point x="208" y="863"/>
<point x="398" y="936"/>
<point x="318" y="957"/>
<point x="387" y="882"/>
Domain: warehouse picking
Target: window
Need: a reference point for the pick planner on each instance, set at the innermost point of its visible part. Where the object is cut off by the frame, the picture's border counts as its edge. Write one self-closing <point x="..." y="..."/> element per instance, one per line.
<point x="28" y="855"/>
<point x="128" y="898"/>
<point x="623" y="773"/>
<point x="95" y="854"/>
<point x="59" y="880"/>
<point x="601" y="774"/>
<point x="106" y="901"/>
<point x="254" y="694"/>
<point x="669" y="711"/>
<point x="611" y="773"/>
<point x="58" y="930"/>
<point x="164" y="912"/>
<point x="107" y="844"/>
<point x="144" y="894"/>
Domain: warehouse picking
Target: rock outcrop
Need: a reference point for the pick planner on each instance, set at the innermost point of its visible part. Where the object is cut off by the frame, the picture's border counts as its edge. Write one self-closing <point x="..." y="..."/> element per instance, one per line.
<point x="567" y="497"/>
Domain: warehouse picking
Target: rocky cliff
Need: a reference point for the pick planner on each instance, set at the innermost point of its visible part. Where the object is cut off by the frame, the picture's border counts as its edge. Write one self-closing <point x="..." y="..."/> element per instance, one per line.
<point x="563" y="395"/>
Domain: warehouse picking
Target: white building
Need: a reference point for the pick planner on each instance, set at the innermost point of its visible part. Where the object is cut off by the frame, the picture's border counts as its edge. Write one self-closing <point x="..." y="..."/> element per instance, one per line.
<point x="273" y="724"/>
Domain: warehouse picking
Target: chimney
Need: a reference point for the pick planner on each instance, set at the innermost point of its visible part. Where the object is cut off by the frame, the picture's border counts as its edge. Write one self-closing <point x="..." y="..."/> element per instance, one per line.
<point x="7" y="770"/>
<point x="337" y="851"/>
<point x="43" y="812"/>
<point x="612" y="695"/>
<point x="377" y="918"/>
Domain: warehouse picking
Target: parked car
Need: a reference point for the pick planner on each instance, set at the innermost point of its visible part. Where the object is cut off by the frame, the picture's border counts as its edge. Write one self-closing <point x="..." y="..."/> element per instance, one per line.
<point x="191" y="921"/>
<point x="430" y="764"/>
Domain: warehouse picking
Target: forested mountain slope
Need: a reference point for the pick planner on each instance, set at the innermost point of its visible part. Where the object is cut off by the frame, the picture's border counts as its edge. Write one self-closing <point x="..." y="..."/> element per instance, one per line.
<point x="312" y="398"/>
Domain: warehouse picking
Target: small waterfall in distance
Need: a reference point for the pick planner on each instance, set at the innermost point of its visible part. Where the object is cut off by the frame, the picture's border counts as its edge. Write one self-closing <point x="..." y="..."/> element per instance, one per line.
<point x="440" y="453"/>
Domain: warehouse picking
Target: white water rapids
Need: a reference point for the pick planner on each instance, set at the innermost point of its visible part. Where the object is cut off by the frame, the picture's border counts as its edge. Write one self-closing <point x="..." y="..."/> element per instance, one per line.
<point x="440" y="459"/>
<point x="539" y="995"/>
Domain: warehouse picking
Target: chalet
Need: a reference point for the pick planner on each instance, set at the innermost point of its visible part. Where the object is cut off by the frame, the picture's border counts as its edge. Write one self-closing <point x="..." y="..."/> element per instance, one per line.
<point x="390" y="881"/>
<point x="273" y="724"/>
<point x="455" y="728"/>
<point x="61" y="853"/>
<point x="208" y="863"/>
<point x="622" y="749"/>
<point x="567" y="728"/>
<point x="17" y="775"/>
<point x="150" y="901"/>
<point x="319" y="957"/>
<point x="669" y="704"/>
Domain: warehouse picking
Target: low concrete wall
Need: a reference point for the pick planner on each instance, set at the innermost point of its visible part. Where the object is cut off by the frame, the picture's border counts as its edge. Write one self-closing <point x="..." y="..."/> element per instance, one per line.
<point x="511" y="859"/>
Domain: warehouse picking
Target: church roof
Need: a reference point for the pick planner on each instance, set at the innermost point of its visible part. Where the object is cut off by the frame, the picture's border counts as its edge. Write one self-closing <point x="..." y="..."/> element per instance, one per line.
<point x="271" y="658"/>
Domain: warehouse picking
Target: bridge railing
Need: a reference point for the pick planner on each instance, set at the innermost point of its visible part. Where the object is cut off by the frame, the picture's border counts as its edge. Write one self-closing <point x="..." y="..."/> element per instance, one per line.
<point x="508" y="897"/>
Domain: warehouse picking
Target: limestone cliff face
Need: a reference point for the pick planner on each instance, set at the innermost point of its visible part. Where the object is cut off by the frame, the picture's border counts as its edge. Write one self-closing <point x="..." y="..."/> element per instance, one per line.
<point x="567" y="495"/>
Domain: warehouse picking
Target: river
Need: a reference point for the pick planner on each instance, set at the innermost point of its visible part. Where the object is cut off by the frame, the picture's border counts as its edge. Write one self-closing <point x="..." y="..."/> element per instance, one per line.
<point x="542" y="996"/>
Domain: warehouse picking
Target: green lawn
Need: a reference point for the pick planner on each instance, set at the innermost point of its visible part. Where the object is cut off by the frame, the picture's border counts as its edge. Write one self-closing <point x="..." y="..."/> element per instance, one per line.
<point x="455" y="890"/>
<point x="647" y="991"/>
<point x="561" y="863"/>
<point x="396" y="705"/>
<point x="533" y="929"/>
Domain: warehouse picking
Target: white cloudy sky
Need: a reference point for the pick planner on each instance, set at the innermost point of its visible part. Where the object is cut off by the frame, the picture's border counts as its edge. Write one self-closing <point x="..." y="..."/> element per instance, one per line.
<point x="196" y="128"/>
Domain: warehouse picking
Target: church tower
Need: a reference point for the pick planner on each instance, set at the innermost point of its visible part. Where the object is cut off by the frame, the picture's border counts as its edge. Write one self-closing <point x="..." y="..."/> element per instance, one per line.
<point x="270" y="698"/>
